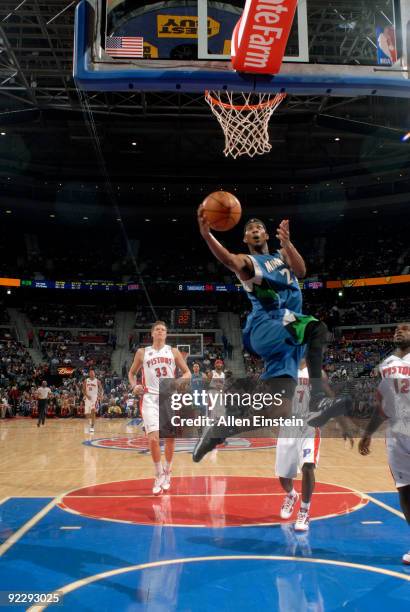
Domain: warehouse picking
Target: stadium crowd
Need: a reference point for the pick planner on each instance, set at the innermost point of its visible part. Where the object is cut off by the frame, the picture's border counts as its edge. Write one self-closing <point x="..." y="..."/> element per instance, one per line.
<point x="380" y="249"/>
<point x="56" y="315"/>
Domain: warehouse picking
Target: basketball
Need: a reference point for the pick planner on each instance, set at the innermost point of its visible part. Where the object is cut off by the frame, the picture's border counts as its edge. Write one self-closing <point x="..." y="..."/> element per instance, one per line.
<point x="222" y="210"/>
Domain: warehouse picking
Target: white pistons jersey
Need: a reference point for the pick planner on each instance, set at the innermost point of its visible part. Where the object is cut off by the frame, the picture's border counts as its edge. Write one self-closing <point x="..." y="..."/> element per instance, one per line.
<point x="218" y="380"/>
<point x="91" y="386"/>
<point x="157" y="364"/>
<point x="300" y="404"/>
<point x="394" y="392"/>
<point x="297" y="445"/>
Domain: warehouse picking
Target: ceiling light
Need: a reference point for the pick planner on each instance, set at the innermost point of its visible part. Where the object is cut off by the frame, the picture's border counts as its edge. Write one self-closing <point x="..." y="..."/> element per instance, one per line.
<point x="147" y="219"/>
<point x="8" y="212"/>
<point x="85" y="218"/>
<point x="2" y="133"/>
<point x="134" y="144"/>
<point x="337" y="139"/>
<point x="52" y="216"/>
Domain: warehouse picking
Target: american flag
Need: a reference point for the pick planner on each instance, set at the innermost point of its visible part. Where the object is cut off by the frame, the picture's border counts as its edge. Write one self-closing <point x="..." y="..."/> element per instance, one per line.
<point x="124" y="46"/>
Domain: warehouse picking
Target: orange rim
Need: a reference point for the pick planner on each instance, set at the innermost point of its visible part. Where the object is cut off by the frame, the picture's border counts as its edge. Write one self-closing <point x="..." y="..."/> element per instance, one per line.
<point x="277" y="99"/>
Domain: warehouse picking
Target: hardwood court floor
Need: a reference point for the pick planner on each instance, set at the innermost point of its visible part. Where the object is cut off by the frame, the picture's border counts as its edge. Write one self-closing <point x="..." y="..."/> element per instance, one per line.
<point x="50" y="460"/>
<point x="78" y="519"/>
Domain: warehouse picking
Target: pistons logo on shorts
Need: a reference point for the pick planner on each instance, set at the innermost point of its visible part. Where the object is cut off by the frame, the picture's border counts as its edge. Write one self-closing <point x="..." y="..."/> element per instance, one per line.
<point x="306" y="452"/>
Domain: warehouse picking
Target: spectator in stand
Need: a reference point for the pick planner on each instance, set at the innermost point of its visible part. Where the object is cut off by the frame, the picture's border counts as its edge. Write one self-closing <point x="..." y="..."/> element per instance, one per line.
<point x="5" y="408"/>
<point x="13" y="398"/>
<point x="30" y="338"/>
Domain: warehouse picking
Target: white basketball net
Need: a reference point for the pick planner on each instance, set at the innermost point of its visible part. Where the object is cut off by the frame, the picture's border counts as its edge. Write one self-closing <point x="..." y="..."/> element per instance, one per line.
<point x="244" y="118"/>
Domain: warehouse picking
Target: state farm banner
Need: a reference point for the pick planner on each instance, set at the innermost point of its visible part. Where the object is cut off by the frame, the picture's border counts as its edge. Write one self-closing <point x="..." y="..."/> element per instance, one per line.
<point x="260" y="37"/>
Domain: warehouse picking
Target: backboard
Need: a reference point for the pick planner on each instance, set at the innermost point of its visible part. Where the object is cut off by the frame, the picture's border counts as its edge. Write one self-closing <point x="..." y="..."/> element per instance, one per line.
<point x="342" y="47"/>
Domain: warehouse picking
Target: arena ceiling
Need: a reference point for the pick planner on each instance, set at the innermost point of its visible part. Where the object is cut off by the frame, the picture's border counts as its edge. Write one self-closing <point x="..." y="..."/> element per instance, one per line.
<point x="169" y="138"/>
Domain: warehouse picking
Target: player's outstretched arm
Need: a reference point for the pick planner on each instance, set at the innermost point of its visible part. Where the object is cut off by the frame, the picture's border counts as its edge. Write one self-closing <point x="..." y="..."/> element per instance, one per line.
<point x="134" y="369"/>
<point x="84" y="389"/>
<point x="288" y="250"/>
<point x="240" y="264"/>
<point x="373" y="425"/>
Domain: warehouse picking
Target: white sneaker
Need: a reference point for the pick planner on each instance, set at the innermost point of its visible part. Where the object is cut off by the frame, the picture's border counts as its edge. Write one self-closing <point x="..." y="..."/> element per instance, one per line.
<point x="157" y="487"/>
<point x="166" y="483"/>
<point x="91" y="430"/>
<point x="288" y="506"/>
<point x="302" y="521"/>
<point x="406" y="558"/>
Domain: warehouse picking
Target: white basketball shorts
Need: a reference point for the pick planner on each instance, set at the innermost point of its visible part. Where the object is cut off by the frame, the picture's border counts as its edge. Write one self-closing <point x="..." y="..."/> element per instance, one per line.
<point x="89" y="405"/>
<point x="150" y="412"/>
<point x="292" y="453"/>
<point x="398" y="454"/>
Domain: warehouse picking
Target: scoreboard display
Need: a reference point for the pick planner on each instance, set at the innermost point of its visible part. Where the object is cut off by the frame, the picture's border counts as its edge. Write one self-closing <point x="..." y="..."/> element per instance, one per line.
<point x="183" y="317"/>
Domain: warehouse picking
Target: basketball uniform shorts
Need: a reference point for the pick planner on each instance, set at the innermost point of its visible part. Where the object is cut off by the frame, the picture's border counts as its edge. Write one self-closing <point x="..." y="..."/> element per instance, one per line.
<point x="89" y="405"/>
<point x="398" y="454"/>
<point x="292" y="453"/>
<point x="150" y="412"/>
<point x="277" y="337"/>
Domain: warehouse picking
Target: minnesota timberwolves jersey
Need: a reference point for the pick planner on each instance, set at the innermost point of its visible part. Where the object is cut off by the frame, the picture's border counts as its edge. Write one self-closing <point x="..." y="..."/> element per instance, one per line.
<point x="274" y="285"/>
<point x="197" y="383"/>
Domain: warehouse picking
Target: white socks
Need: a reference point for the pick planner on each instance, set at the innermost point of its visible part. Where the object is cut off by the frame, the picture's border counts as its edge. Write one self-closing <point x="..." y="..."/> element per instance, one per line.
<point x="160" y="470"/>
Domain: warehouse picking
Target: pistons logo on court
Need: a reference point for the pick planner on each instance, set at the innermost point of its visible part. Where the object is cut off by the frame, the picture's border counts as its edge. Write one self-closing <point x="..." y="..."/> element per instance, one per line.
<point x="139" y="444"/>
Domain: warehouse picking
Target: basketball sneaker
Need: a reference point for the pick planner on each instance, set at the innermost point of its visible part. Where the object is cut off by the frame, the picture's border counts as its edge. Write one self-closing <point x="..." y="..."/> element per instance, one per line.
<point x="323" y="408"/>
<point x="406" y="558"/>
<point x="205" y="444"/>
<point x="288" y="506"/>
<point x="157" y="487"/>
<point x="302" y="521"/>
<point x="91" y="430"/>
<point x="166" y="483"/>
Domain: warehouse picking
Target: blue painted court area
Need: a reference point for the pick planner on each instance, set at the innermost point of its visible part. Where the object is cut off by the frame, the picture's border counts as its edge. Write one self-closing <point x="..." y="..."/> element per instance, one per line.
<point x="349" y="562"/>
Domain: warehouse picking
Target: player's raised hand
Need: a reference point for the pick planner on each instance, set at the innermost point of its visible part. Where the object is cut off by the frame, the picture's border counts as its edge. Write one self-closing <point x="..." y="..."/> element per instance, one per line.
<point x="364" y="445"/>
<point x="203" y="221"/>
<point x="282" y="233"/>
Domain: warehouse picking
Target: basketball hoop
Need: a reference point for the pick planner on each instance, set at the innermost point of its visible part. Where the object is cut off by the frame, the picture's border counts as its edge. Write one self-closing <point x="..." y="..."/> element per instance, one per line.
<point x="244" y="118"/>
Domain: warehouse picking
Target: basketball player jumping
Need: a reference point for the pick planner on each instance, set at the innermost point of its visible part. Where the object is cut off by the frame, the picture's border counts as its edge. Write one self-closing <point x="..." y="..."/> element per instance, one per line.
<point x="393" y="406"/>
<point x="93" y="392"/>
<point x="275" y="330"/>
<point x="156" y="361"/>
